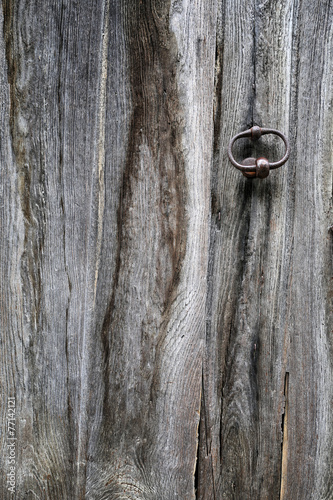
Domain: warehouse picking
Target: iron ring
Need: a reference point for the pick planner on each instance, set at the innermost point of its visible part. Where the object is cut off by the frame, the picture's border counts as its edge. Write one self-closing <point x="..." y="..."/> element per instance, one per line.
<point x="259" y="167"/>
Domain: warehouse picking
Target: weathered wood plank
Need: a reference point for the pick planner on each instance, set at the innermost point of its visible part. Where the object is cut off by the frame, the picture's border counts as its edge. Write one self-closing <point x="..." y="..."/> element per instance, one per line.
<point x="268" y="316"/>
<point x="310" y="444"/>
<point x="154" y="323"/>
<point x="55" y="56"/>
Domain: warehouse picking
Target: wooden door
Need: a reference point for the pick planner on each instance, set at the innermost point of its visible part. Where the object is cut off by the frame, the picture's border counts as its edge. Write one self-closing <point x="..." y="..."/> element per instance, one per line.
<point x="166" y="323"/>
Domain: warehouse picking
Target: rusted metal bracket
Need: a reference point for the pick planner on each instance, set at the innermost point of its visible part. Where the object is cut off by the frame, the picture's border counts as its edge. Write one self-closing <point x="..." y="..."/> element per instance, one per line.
<point x="257" y="167"/>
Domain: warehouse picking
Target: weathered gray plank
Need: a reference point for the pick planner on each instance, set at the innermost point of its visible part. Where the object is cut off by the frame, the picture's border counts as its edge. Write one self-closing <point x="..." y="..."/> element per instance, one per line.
<point x="310" y="445"/>
<point x="154" y="323"/>
<point x="54" y="56"/>
<point x="268" y="312"/>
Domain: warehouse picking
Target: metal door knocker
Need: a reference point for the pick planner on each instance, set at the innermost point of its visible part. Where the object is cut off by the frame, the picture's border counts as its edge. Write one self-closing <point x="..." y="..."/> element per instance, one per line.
<point x="257" y="167"/>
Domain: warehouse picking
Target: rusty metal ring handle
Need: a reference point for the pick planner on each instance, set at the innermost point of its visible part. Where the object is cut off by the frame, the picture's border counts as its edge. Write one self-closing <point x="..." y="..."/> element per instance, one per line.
<point x="260" y="167"/>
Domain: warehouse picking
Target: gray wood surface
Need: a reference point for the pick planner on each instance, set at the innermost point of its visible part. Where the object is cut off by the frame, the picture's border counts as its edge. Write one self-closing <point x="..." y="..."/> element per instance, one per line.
<point x="166" y="324"/>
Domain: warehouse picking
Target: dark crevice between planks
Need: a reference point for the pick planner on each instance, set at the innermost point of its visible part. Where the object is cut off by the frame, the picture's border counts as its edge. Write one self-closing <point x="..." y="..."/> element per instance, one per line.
<point x="251" y="119"/>
<point x="217" y="96"/>
<point x="284" y="443"/>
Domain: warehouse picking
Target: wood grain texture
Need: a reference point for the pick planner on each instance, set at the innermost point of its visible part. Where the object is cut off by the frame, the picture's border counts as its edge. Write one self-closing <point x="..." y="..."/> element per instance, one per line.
<point x="266" y="423"/>
<point x="166" y="324"/>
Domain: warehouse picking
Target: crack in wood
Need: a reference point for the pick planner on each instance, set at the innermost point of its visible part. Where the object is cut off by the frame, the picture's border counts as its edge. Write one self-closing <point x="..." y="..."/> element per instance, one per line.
<point x="197" y="458"/>
<point x="284" y="443"/>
